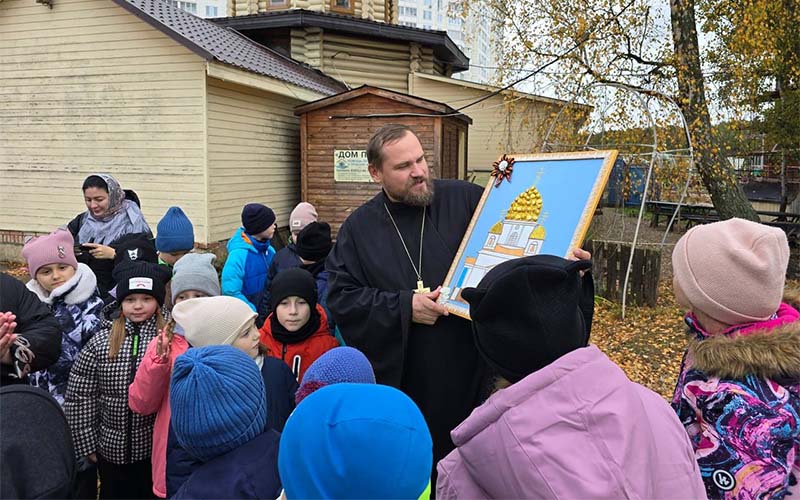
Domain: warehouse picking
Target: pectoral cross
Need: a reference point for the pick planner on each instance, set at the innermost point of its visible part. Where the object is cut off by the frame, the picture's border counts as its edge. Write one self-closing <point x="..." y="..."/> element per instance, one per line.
<point x="421" y="288"/>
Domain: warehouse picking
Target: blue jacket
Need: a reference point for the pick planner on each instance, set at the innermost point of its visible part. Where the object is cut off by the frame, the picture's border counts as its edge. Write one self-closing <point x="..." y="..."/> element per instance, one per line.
<point x="281" y="386"/>
<point x="249" y="471"/>
<point x="245" y="273"/>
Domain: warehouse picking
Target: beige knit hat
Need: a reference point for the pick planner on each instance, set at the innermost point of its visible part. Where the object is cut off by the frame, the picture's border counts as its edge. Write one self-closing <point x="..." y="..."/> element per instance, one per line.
<point x="733" y="271"/>
<point x="213" y="320"/>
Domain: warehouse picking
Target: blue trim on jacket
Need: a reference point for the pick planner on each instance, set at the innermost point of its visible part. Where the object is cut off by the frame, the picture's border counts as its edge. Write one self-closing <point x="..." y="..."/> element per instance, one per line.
<point x="245" y="273"/>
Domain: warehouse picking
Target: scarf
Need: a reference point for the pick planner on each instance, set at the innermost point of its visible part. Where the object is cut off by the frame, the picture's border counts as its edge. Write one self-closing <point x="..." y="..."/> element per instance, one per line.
<point x="283" y="335"/>
<point x="123" y="217"/>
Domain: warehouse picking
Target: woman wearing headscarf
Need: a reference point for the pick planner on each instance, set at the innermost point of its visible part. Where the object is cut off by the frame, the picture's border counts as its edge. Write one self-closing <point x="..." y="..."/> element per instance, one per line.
<point x="108" y="217"/>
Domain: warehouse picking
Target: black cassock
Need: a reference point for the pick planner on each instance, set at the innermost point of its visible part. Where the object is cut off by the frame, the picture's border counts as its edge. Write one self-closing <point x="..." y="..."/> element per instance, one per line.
<point x="370" y="285"/>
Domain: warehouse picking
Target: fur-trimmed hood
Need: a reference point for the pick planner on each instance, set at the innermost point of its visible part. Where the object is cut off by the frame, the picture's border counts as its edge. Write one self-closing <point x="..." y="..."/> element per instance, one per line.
<point x="763" y="351"/>
<point x="76" y="290"/>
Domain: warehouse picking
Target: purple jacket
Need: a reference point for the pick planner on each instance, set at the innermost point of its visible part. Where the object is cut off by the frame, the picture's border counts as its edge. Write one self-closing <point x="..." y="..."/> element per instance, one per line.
<point x="578" y="428"/>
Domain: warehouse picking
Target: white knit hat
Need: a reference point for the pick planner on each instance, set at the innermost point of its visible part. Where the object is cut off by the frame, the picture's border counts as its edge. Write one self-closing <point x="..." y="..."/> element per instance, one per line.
<point x="213" y="320"/>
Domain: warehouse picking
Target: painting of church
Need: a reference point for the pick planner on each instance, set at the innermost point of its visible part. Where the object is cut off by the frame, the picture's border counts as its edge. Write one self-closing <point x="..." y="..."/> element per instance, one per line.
<point x="521" y="233"/>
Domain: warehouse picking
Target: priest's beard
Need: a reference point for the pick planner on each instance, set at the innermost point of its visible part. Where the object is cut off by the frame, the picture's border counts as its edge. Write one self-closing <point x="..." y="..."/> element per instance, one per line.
<point x="419" y="198"/>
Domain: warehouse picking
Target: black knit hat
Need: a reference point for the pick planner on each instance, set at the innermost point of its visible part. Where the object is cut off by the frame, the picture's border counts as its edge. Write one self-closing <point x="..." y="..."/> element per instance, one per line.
<point x="526" y="313"/>
<point x="314" y="241"/>
<point x="257" y="218"/>
<point x="294" y="282"/>
<point x="141" y="277"/>
<point x="135" y="247"/>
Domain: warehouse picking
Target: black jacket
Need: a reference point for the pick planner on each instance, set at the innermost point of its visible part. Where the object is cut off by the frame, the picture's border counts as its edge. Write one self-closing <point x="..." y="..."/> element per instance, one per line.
<point x="35" y="324"/>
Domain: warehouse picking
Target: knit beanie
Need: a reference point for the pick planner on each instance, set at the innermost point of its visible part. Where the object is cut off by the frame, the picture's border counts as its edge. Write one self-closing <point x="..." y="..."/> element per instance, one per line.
<point x="294" y="282"/>
<point x="367" y="441"/>
<point x="175" y="232"/>
<point x="53" y="248"/>
<point x="339" y="365"/>
<point x="302" y="215"/>
<point x="218" y="401"/>
<point x="135" y="247"/>
<point x="256" y="218"/>
<point x="314" y="241"/>
<point x="195" y="271"/>
<point x="213" y="320"/>
<point x="141" y="277"/>
<point x="733" y="271"/>
<point x="547" y="314"/>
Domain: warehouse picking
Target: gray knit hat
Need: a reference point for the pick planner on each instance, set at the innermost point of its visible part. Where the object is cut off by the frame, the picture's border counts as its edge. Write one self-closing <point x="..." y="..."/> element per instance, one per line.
<point x="195" y="271"/>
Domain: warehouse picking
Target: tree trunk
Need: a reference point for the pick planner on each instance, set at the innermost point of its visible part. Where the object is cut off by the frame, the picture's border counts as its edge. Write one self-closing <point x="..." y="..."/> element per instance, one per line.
<point x="717" y="176"/>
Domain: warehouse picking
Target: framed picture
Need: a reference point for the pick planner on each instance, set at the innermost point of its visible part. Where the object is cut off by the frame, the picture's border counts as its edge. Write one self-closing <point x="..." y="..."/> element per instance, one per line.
<point x="533" y="204"/>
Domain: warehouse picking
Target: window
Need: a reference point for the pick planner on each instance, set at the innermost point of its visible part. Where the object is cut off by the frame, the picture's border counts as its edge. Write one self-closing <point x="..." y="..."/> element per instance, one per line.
<point x="211" y="11"/>
<point x="427" y="26"/>
<point x="408" y="11"/>
<point x="186" y="6"/>
<point x="428" y="3"/>
<point x="277" y="4"/>
<point x="343" y="6"/>
<point x="439" y="18"/>
<point x="427" y="15"/>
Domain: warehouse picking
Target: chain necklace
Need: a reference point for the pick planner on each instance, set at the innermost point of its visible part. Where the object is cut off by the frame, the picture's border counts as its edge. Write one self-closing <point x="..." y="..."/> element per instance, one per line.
<point x="421" y="288"/>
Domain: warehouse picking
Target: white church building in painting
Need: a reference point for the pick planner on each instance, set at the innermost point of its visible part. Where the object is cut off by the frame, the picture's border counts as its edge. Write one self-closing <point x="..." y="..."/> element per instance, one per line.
<point x="521" y="233"/>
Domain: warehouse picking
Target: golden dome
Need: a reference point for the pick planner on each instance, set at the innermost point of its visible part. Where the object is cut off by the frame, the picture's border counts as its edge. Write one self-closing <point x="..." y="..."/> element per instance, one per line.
<point x="526" y="207"/>
<point x="538" y="233"/>
<point x="497" y="228"/>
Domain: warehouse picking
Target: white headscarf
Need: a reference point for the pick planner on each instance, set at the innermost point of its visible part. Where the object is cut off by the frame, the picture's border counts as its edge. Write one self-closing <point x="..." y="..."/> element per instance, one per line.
<point x="123" y="217"/>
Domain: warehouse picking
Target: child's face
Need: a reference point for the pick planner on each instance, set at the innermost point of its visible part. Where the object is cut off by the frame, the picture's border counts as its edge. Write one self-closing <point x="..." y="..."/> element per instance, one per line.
<point x="53" y="276"/>
<point x="248" y="342"/>
<point x="139" y="307"/>
<point x="293" y="313"/>
<point x="266" y="234"/>
<point x="189" y="294"/>
<point x="170" y="258"/>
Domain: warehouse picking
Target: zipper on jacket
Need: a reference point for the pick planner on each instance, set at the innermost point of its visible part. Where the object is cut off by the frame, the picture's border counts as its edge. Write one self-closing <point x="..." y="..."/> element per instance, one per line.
<point x="283" y="354"/>
<point x="131" y="376"/>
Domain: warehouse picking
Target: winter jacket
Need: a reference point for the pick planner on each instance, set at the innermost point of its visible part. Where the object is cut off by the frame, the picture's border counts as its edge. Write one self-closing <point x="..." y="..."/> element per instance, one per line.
<point x="77" y="307"/>
<point x="244" y="275"/>
<point x="299" y="356"/>
<point x="149" y="394"/>
<point x="578" y="428"/>
<point x="280" y="385"/>
<point x="97" y="397"/>
<point x="249" y="471"/>
<point x="39" y="338"/>
<point x="739" y="400"/>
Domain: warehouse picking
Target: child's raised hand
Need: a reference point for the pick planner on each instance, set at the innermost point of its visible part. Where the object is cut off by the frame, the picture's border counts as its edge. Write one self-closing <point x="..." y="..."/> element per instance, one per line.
<point x="163" y="345"/>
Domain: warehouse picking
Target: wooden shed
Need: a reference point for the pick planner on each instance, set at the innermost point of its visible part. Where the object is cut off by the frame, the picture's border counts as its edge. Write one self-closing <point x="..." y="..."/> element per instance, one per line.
<point x="334" y="132"/>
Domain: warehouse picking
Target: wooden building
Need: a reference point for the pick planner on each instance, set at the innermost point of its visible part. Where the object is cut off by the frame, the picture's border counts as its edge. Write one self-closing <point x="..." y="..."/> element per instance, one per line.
<point x="177" y="108"/>
<point x="334" y="132"/>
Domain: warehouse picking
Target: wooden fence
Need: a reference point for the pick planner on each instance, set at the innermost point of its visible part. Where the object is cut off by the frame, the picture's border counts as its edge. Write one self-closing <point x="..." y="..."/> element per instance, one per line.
<point x="610" y="264"/>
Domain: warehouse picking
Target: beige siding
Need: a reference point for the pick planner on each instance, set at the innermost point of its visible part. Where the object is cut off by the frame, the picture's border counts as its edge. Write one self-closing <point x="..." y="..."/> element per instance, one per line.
<point x="358" y="62"/>
<point x="498" y="126"/>
<point x="88" y="87"/>
<point x="253" y="154"/>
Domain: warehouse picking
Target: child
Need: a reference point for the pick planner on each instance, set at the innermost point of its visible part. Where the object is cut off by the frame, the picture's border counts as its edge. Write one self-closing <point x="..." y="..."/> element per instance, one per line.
<point x="175" y="236"/>
<point x="250" y="253"/>
<point x="369" y="441"/>
<point x="339" y="365"/>
<point x="70" y="290"/>
<point x="286" y="258"/>
<point x="565" y="421"/>
<point x="220" y="418"/>
<point x="194" y="277"/>
<point x="228" y="321"/>
<point x="103" y="427"/>
<point x="296" y="332"/>
<point x="737" y="392"/>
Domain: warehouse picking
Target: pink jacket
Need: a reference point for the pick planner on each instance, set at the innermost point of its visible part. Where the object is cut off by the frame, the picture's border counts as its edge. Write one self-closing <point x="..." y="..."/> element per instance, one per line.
<point x="578" y="428"/>
<point x="148" y="394"/>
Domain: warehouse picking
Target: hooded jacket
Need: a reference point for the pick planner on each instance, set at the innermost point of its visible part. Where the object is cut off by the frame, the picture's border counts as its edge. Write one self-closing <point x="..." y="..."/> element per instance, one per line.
<point x="244" y="275"/>
<point x="578" y="428"/>
<point x="77" y="307"/>
<point x="739" y="400"/>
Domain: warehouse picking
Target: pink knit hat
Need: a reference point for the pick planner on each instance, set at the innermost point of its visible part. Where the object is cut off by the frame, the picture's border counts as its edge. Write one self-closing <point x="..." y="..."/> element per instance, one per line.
<point x="53" y="248"/>
<point x="733" y="271"/>
<point x="302" y="215"/>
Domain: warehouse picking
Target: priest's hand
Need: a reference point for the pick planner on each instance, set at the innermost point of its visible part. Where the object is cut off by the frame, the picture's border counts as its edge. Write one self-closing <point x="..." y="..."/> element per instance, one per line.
<point x="424" y="308"/>
<point x="580" y="254"/>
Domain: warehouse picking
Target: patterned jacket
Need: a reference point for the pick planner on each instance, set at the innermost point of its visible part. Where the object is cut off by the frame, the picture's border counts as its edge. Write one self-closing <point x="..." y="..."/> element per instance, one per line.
<point x="97" y="397"/>
<point x="737" y="396"/>
<point x="76" y="305"/>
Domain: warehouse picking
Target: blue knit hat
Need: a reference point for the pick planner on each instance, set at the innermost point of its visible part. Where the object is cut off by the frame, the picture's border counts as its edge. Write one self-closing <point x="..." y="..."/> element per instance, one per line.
<point x="175" y="232"/>
<point x="218" y="400"/>
<point x="339" y="365"/>
<point x="355" y="441"/>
